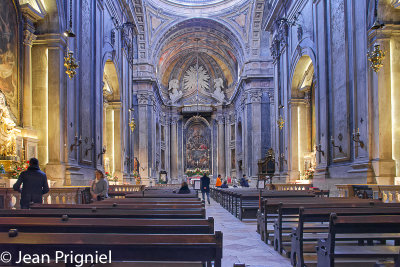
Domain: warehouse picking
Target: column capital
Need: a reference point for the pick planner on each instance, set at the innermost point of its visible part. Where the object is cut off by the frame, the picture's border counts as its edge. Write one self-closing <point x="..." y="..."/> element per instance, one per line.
<point x="29" y="37"/>
<point x="143" y="98"/>
<point x="254" y="96"/>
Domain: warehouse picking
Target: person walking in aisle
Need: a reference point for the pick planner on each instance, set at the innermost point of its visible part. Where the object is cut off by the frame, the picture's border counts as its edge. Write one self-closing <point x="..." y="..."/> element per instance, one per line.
<point x="205" y="187"/>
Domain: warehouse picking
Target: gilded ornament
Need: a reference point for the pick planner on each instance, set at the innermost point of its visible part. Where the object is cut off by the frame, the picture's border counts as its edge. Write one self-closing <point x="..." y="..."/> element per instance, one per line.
<point x="376" y="57"/>
<point x="280" y="122"/>
<point x="70" y="64"/>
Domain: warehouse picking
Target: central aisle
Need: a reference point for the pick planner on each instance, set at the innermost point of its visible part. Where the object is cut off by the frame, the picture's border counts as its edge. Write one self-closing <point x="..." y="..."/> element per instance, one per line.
<point x="241" y="242"/>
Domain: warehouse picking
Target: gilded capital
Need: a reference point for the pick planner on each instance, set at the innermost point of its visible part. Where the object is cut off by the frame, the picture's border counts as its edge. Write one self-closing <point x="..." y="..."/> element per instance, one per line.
<point x="29" y="37"/>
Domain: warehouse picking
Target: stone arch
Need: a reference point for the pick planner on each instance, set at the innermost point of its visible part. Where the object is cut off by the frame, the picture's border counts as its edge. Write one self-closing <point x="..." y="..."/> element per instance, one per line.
<point x="112" y="120"/>
<point x="302" y="124"/>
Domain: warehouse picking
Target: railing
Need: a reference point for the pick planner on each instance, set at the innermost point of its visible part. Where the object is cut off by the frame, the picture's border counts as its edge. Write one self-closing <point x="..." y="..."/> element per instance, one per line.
<point x="164" y="186"/>
<point x="388" y="193"/>
<point x="10" y="199"/>
<point x="290" y="187"/>
<point x="125" y="188"/>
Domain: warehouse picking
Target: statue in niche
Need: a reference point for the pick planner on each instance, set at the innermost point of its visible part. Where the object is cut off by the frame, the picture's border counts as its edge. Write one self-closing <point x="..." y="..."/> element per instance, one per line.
<point x="7" y="130"/>
<point x="174" y="93"/>
<point x="218" y="93"/>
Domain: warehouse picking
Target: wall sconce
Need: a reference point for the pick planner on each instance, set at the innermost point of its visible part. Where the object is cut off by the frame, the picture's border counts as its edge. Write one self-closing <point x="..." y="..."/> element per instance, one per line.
<point x="280" y="122"/>
<point x="376" y="57"/>
<point x="333" y="144"/>
<point x="76" y="143"/>
<point x="318" y="148"/>
<point x="103" y="151"/>
<point x="88" y="149"/>
<point x="356" y="138"/>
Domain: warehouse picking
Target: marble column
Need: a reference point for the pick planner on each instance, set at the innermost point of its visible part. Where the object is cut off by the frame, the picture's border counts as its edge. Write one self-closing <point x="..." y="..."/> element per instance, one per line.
<point x="382" y="162"/>
<point x="143" y="128"/>
<point x="221" y="145"/>
<point x="255" y="100"/>
<point x="294" y="153"/>
<point x="29" y="37"/>
<point x="118" y="161"/>
<point x="174" y="150"/>
<point x="395" y="59"/>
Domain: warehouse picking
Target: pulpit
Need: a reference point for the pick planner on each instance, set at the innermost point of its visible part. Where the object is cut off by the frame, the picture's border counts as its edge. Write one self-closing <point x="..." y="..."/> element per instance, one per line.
<point x="266" y="170"/>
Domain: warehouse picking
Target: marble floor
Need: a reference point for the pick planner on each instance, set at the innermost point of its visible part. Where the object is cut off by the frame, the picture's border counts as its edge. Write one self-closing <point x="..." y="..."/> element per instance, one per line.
<point x="241" y="242"/>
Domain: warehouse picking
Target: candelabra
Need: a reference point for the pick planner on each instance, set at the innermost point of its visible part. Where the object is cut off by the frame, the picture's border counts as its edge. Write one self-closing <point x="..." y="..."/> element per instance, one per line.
<point x="333" y="144"/>
<point x="76" y="143"/>
<point x="356" y="138"/>
<point x="91" y="148"/>
<point x="318" y="148"/>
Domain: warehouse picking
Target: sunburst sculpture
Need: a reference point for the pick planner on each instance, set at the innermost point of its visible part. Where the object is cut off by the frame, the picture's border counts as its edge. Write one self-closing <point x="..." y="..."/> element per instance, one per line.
<point x="190" y="79"/>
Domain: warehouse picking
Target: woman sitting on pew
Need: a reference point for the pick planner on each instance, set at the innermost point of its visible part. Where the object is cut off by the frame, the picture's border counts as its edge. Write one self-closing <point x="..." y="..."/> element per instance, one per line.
<point x="225" y="185"/>
<point x="184" y="189"/>
<point x="99" y="187"/>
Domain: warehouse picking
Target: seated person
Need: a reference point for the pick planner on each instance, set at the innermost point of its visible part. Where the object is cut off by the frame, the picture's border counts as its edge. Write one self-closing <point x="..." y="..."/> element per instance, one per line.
<point x="224" y="185"/>
<point x="244" y="182"/>
<point x="219" y="181"/>
<point x="99" y="188"/>
<point x="184" y="189"/>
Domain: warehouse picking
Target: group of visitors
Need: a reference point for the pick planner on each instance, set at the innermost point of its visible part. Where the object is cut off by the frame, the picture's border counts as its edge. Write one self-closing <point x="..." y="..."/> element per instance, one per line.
<point x="243" y="182"/>
<point x="35" y="185"/>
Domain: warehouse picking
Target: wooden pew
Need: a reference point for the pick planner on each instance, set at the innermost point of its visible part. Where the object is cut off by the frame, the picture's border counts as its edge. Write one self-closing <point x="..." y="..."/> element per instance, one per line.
<point x="160" y="194"/>
<point x="271" y="207"/>
<point x="383" y="227"/>
<point x="305" y="242"/>
<point x="66" y="224"/>
<point x="122" y="247"/>
<point x="152" y="200"/>
<point x="283" y="226"/>
<point x="135" y="206"/>
<point x="107" y="213"/>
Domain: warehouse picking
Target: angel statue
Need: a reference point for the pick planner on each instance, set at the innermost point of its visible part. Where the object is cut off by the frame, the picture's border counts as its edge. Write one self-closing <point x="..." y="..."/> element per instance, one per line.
<point x="174" y="93"/>
<point x="218" y="93"/>
<point x="7" y="130"/>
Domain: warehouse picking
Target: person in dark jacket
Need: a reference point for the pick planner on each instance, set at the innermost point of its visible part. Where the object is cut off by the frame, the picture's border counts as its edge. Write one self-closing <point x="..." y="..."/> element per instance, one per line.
<point x="34" y="183"/>
<point x="224" y="185"/>
<point x="205" y="187"/>
<point x="244" y="182"/>
<point x="184" y="189"/>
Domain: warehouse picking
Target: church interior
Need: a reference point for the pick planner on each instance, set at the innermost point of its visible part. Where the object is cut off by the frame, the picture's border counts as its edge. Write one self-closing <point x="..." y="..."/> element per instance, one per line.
<point x="290" y="101"/>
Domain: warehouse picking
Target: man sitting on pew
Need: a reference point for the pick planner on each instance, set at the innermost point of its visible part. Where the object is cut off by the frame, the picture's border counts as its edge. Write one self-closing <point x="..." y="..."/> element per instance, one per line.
<point x="99" y="187"/>
<point x="34" y="184"/>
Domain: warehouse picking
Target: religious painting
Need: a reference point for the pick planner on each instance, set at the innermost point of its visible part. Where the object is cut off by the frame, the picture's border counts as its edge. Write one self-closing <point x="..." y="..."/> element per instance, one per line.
<point x="9" y="55"/>
<point x="197" y="147"/>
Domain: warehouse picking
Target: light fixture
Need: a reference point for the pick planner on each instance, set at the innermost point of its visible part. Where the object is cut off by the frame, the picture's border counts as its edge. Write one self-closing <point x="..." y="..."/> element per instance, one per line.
<point x="69" y="33"/>
<point x="70" y="62"/>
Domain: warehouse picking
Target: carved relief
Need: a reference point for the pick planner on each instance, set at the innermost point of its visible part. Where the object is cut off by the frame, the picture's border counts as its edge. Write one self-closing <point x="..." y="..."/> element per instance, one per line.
<point x="174" y="93"/>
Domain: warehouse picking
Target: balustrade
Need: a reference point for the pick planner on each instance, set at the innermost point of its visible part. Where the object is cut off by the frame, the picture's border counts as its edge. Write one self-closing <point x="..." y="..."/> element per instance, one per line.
<point x="9" y="199"/>
<point x="388" y="193"/>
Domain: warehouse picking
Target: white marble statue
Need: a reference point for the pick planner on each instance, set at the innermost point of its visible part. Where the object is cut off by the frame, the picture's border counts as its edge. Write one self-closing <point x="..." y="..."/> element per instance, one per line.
<point x="218" y="93"/>
<point x="174" y="93"/>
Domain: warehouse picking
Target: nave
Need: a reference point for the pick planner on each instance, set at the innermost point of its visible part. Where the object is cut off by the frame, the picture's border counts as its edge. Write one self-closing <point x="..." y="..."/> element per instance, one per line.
<point x="242" y="244"/>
